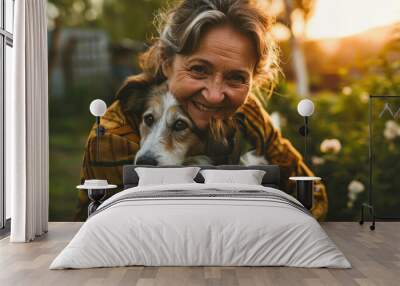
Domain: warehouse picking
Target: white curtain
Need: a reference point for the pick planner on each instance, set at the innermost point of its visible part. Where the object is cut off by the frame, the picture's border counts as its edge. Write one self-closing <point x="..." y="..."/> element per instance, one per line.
<point x="27" y="144"/>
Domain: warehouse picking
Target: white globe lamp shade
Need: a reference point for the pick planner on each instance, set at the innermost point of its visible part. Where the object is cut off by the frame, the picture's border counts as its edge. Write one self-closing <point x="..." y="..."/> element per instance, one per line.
<point x="98" y="107"/>
<point x="305" y="107"/>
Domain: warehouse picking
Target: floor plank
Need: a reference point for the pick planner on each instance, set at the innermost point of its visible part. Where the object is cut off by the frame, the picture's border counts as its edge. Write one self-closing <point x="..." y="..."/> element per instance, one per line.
<point x="375" y="257"/>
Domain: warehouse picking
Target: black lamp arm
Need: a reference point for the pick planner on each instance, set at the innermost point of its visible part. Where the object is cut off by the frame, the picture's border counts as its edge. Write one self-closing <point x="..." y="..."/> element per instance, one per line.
<point x="100" y="130"/>
<point x="305" y="131"/>
<point x="98" y="126"/>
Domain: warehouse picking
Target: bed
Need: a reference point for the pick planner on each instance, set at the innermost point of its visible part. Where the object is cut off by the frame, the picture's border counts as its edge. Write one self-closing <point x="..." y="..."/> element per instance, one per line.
<point x="198" y="224"/>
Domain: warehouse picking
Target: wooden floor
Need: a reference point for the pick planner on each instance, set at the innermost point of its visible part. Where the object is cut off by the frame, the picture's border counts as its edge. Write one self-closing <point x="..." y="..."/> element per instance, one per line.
<point x="375" y="256"/>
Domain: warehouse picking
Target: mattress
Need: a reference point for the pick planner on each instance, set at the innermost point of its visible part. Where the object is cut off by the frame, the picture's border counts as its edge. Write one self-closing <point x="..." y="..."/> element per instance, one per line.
<point x="201" y="225"/>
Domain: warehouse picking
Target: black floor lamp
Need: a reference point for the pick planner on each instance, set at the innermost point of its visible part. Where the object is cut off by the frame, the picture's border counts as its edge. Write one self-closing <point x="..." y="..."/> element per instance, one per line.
<point x="369" y="206"/>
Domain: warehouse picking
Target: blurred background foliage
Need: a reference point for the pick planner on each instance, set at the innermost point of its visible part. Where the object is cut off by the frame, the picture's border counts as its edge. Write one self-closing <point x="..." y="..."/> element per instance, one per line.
<point x="121" y="19"/>
<point x="94" y="45"/>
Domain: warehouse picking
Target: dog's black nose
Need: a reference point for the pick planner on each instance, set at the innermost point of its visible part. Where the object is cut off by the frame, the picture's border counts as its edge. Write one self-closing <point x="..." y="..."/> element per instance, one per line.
<point x="146" y="160"/>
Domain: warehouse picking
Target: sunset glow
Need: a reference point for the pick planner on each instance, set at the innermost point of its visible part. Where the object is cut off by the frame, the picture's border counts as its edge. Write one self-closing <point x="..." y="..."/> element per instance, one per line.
<point x="340" y="18"/>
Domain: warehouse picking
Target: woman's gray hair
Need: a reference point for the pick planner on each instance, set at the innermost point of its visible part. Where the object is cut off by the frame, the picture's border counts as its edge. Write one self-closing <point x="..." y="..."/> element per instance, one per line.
<point x="181" y="28"/>
<point x="179" y="42"/>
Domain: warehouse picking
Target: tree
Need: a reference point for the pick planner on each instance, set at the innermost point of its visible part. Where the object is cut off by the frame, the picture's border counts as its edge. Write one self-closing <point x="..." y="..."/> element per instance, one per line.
<point x="293" y="13"/>
<point x="299" y="62"/>
<point x="120" y="18"/>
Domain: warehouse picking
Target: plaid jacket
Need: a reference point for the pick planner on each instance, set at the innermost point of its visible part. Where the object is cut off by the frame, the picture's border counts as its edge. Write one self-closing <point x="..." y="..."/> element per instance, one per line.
<point x="121" y="140"/>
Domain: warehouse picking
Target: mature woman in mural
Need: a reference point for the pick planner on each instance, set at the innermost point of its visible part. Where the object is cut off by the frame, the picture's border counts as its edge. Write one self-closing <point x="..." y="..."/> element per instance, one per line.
<point x="195" y="102"/>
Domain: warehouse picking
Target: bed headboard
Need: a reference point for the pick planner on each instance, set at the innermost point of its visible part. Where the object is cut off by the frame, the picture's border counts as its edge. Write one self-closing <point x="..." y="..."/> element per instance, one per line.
<point x="270" y="179"/>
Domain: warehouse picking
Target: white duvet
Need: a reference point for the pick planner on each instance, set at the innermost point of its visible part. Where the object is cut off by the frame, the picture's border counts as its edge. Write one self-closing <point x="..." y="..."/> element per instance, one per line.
<point x="183" y="231"/>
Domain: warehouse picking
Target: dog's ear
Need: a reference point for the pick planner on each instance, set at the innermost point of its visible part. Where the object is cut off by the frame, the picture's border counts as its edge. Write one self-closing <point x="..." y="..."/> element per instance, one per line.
<point x="134" y="85"/>
<point x="134" y="93"/>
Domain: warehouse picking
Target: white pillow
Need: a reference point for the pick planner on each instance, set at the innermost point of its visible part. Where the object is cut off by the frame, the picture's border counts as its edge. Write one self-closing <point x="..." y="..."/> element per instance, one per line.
<point x="249" y="177"/>
<point x="164" y="176"/>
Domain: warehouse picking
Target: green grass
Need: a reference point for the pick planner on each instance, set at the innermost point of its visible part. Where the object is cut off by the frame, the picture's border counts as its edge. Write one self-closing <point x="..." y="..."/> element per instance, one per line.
<point x="66" y="154"/>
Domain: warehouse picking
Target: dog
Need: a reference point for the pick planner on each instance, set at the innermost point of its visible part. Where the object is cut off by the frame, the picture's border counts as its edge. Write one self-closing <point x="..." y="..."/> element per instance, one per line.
<point x="168" y="136"/>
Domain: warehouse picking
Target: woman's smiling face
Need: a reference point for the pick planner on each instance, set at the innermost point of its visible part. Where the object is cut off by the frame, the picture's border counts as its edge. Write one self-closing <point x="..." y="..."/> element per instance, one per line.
<point x="215" y="79"/>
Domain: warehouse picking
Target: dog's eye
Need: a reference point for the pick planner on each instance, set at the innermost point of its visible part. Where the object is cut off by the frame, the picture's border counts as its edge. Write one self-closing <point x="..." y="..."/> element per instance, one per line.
<point x="148" y="120"/>
<point x="180" y="125"/>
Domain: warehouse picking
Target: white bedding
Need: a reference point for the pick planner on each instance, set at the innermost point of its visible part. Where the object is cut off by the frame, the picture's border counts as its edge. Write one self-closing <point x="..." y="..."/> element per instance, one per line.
<point x="189" y="230"/>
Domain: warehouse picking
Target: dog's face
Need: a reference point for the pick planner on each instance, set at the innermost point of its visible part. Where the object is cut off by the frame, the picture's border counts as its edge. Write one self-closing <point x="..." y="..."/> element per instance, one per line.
<point x="166" y="131"/>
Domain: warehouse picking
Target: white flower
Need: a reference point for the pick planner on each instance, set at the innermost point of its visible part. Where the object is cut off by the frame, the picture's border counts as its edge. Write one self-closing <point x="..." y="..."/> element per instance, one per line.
<point x="392" y="130"/>
<point x="317" y="160"/>
<point x="347" y="90"/>
<point x="330" y="146"/>
<point x="349" y="204"/>
<point x="354" y="188"/>
<point x="364" y="97"/>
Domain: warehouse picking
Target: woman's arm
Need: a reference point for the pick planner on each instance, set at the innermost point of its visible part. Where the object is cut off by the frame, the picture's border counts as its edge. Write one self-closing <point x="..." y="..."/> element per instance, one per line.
<point x="279" y="151"/>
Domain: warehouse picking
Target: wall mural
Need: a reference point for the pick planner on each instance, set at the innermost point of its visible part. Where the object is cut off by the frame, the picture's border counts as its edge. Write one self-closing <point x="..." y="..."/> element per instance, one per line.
<point x="165" y="119"/>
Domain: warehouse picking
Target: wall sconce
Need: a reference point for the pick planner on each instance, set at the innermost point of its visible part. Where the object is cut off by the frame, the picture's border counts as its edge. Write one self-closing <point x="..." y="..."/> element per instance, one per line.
<point x="305" y="108"/>
<point x="97" y="108"/>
